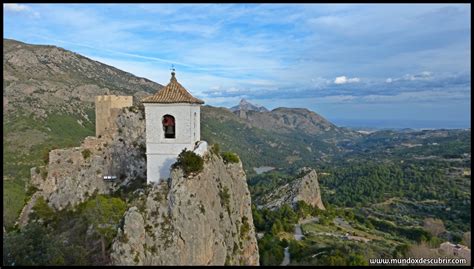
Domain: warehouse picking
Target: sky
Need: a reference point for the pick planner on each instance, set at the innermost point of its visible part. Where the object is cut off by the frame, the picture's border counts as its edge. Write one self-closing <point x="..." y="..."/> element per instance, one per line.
<point x="380" y="65"/>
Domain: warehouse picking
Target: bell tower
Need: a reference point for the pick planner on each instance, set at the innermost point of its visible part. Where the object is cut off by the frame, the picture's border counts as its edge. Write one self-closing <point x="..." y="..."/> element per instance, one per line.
<point x="172" y="118"/>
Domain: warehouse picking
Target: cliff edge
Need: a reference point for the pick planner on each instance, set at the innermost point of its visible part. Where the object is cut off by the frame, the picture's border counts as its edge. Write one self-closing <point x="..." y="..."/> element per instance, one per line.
<point x="204" y="219"/>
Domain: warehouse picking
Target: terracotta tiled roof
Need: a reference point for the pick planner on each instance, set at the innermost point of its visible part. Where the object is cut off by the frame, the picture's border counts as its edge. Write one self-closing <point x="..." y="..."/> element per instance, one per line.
<point x="172" y="93"/>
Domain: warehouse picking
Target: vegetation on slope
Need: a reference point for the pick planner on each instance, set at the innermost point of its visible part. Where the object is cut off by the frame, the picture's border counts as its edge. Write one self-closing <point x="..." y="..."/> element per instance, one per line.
<point x="73" y="236"/>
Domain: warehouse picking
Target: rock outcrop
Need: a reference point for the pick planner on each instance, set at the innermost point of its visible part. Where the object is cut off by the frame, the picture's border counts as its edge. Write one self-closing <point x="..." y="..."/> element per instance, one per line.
<point x="203" y="219"/>
<point x="245" y="105"/>
<point x="74" y="174"/>
<point x="304" y="188"/>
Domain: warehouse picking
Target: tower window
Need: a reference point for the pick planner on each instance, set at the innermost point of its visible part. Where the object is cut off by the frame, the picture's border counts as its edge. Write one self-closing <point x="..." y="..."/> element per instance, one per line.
<point x="169" y="126"/>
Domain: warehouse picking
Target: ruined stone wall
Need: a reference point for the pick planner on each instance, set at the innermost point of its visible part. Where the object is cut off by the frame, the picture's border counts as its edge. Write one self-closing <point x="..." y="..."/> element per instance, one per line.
<point x="107" y="108"/>
<point x="72" y="175"/>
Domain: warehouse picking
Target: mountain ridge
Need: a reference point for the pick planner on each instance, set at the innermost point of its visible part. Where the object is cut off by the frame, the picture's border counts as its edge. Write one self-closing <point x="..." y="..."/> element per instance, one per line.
<point x="247" y="106"/>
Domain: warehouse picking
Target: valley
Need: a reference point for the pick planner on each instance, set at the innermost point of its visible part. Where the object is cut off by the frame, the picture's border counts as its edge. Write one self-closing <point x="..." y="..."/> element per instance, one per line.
<point x="386" y="193"/>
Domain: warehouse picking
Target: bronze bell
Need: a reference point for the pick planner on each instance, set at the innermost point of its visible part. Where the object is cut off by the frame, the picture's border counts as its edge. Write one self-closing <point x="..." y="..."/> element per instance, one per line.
<point x="169" y="130"/>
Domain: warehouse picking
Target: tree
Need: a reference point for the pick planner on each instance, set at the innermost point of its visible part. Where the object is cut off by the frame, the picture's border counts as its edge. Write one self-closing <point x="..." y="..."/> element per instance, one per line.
<point x="104" y="214"/>
<point x="36" y="245"/>
<point x="421" y="250"/>
<point x="277" y="227"/>
<point x="466" y="239"/>
<point x="434" y="226"/>
<point x="336" y="259"/>
<point x="357" y="260"/>
<point x="258" y="219"/>
<point x="42" y="211"/>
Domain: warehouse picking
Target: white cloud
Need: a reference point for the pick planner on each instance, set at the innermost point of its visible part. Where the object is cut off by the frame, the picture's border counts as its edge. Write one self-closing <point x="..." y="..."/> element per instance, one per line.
<point x="426" y="74"/>
<point x="16" y="7"/>
<point x="414" y="96"/>
<point x="344" y="80"/>
<point x="21" y="8"/>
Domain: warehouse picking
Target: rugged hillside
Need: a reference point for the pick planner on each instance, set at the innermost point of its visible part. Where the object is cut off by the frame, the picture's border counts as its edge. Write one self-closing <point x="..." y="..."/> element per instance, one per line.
<point x="48" y="96"/>
<point x="44" y="79"/>
<point x="282" y="138"/>
<point x="72" y="175"/>
<point x="190" y="220"/>
<point x="245" y="105"/>
<point x="304" y="188"/>
<point x="197" y="220"/>
<point x="288" y="120"/>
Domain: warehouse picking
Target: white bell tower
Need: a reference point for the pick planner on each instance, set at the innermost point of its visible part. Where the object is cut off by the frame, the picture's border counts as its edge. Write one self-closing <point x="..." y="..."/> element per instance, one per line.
<point x="172" y="117"/>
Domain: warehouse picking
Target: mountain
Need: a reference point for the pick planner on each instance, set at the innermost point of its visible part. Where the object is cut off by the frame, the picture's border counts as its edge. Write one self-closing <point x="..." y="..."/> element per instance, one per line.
<point x="48" y="98"/>
<point x="49" y="102"/>
<point x="42" y="79"/>
<point x="199" y="219"/>
<point x="247" y="106"/>
<point x="282" y="138"/>
<point x="377" y="186"/>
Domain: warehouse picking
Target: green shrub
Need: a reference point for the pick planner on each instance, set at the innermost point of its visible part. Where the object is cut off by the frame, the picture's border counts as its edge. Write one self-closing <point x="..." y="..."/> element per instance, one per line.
<point x="244" y="229"/>
<point x="41" y="210"/>
<point x="225" y="198"/>
<point x="44" y="173"/>
<point x="230" y="157"/>
<point x="86" y="154"/>
<point x="46" y="156"/>
<point x="190" y="162"/>
<point x="31" y="190"/>
<point x="215" y="149"/>
<point x="133" y="109"/>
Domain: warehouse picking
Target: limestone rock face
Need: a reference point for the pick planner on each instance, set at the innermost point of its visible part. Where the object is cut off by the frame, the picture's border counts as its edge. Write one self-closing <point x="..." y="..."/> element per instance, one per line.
<point x="202" y="219"/>
<point x="308" y="189"/>
<point x="74" y="174"/>
<point x="304" y="188"/>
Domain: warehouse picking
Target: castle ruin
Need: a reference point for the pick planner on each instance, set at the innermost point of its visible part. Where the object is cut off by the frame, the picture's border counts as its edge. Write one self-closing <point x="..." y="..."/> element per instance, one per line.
<point x="107" y="108"/>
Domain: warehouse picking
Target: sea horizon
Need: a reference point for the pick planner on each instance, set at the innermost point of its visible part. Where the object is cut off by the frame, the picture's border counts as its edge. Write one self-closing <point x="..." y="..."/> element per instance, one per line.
<point x="380" y="124"/>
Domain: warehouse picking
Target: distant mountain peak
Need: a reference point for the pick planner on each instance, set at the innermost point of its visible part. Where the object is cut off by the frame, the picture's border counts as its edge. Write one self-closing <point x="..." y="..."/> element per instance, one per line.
<point x="245" y="105"/>
<point x="244" y="102"/>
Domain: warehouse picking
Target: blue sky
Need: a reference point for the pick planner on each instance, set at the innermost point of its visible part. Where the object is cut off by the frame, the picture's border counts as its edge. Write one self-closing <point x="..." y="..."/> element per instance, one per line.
<point x="359" y="62"/>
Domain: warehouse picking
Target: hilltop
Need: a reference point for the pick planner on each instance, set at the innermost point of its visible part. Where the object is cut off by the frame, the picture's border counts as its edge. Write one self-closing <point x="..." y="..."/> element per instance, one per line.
<point x="380" y="186"/>
<point x="48" y="97"/>
<point x="245" y="105"/>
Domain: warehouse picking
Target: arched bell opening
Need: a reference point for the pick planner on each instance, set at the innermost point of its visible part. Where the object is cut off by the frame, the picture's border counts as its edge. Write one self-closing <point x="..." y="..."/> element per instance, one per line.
<point x="169" y="126"/>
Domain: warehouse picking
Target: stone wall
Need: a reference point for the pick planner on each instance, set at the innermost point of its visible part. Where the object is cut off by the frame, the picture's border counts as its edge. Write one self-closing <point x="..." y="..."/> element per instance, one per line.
<point x="74" y="174"/>
<point x="107" y="108"/>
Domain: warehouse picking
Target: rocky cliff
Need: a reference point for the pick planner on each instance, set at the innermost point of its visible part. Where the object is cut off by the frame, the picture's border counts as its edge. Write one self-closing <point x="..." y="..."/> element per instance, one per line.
<point x="74" y="174"/>
<point x="304" y="188"/>
<point x="204" y="219"/>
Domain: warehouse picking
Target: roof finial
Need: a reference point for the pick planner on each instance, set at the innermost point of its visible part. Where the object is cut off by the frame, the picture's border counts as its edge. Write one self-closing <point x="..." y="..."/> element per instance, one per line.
<point x="172" y="71"/>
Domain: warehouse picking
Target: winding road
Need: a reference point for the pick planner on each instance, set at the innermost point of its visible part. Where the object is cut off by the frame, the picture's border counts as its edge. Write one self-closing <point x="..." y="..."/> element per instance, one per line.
<point x="298" y="236"/>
